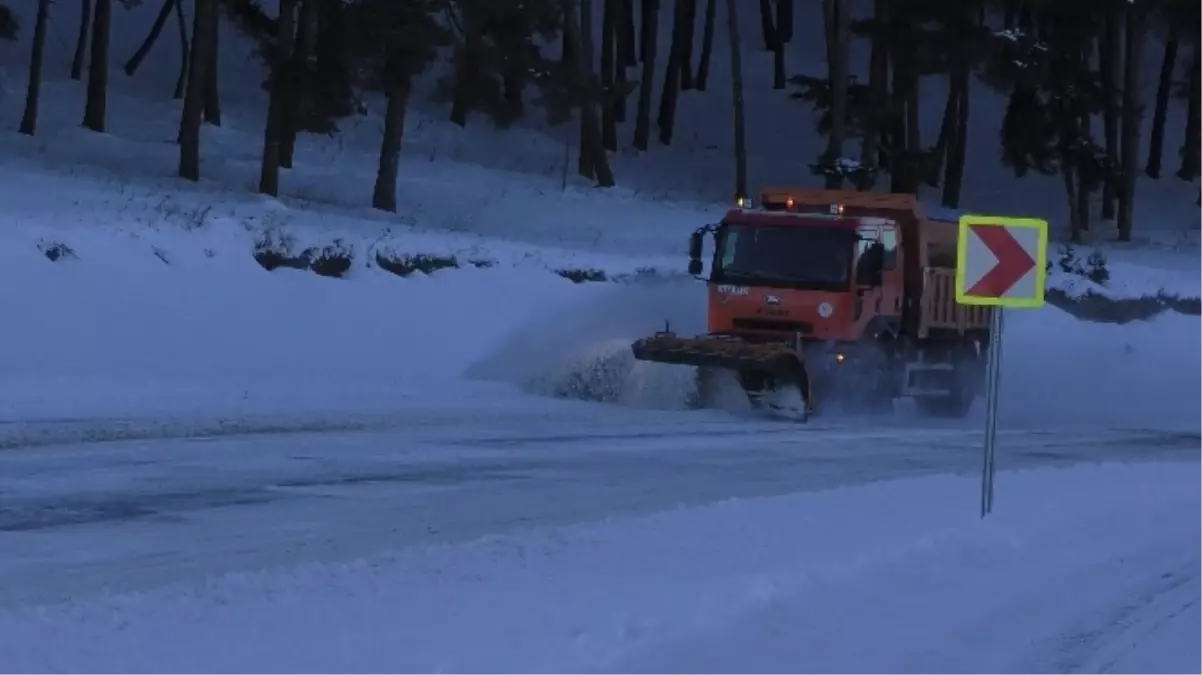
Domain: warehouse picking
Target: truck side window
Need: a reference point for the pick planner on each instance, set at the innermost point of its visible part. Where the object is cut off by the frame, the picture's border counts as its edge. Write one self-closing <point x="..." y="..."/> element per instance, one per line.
<point x="729" y="244"/>
<point x="889" y="239"/>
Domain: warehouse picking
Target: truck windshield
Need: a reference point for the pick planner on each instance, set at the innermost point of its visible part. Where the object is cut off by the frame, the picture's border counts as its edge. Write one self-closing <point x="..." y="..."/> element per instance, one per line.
<point x="801" y="256"/>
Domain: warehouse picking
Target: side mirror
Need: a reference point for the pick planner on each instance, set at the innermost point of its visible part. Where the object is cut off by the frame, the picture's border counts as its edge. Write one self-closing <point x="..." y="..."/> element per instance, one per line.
<point x="696" y="242"/>
<point x="870" y="271"/>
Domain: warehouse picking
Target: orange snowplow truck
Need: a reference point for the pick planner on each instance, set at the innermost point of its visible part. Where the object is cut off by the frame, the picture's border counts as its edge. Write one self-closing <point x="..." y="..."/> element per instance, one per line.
<point x="847" y="296"/>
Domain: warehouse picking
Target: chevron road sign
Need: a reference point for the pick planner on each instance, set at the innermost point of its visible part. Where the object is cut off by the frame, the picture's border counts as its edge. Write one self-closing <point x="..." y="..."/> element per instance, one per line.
<point x="1000" y="263"/>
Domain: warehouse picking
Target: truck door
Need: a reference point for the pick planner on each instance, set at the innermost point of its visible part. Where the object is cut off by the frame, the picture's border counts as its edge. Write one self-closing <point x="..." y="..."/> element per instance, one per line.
<point x="888" y="300"/>
<point x="892" y="288"/>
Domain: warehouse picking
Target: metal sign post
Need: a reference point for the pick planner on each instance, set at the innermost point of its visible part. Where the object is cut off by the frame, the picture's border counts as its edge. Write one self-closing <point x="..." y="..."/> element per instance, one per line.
<point x="993" y="368"/>
<point x="1000" y="263"/>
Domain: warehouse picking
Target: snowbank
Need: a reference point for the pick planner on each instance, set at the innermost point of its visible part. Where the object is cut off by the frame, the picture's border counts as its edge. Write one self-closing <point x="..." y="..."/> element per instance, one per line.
<point x="583" y="352"/>
<point x="157" y="322"/>
<point x="200" y="329"/>
<point x="1075" y="569"/>
<point x="1123" y="286"/>
<point x="1062" y="371"/>
<point x="1057" y="370"/>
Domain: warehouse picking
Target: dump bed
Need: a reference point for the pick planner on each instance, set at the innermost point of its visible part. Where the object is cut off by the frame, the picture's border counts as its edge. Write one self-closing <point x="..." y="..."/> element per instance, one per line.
<point x="939" y="310"/>
<point x="929" y="251"/>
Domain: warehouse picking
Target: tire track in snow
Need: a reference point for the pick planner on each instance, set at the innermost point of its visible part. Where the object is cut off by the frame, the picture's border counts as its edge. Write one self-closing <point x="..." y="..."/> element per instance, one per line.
<point x="1099" y="643"/>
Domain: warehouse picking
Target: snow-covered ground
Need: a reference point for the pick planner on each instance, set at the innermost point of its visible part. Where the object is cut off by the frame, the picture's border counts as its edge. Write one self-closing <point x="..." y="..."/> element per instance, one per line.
<point x="207" y="466"/>
<point x="1084" y="570"/>
<point x="181" y="437"/>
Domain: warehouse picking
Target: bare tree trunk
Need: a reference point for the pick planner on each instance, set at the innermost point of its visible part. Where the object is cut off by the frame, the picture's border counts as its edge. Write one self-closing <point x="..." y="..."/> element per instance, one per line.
<point x="630" y="53"/>
<point x="1068" y="137"/>
<point x="878" y="96"/>
<point x="707" y="46"/>
<point x="383" y="196"/>
<point x="512" y="88"/>
<point x="583" y="44"/>
<point x="96" y="104"/>
<point x="81" y="40"/>
<point x="767" y="25"/>
<point x="1074" y="215"/>
<point x="156" y="29"/>
<point x="1083" y="192"/>
<point x="950" y="130"/>
<point x="181" y="81"/>
<point x="203" y="24"/>
<point x="647" y="39"/>
<point x="212" y="113"/>
<point x="1191" y="148"/>
<point x="777" y="45"/>
<point x="1110" y="57"/>
<point x="736" y="70"/>
<point x="609" y="123"/>
<point x="29" y="118"/>
<point x="904" y="138"/>
<point x="898" y="170"/>
<point x="838" y="21"/>
<point x="566" y="55"/>
<point x="947" y="129"/>
<point x="1009" y="14"/>
<point x="784" y="21"/>
<point x="269" y="169"/>
<point x="670" y="93"/>
<point x="618" y="104"/>
<point x="1132" y="111"/>
<point x="957" y="154"/>
<point x="1167" y="66"/>
<point x="689" y="13"/>
<point x="913" y="115"/>
<point x="780" y="76"/>
<point x="590" y="134"/>
<point x="466" y="67"/>
<point x="642" y="119"/>
<point x="296" y="84"/>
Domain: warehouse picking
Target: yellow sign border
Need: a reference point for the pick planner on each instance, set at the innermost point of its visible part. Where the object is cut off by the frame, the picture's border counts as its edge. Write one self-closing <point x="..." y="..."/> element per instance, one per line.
<point x="1041" y="262"/>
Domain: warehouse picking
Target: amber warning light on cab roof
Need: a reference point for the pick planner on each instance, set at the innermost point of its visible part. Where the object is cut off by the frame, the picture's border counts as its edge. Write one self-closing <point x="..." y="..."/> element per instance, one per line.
<point x="789" y="204"/>
<point x="747" y="203"/>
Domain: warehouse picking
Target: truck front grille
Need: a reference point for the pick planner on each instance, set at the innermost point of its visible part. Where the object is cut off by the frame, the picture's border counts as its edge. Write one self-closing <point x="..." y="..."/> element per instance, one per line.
<point x="777" y="325"/>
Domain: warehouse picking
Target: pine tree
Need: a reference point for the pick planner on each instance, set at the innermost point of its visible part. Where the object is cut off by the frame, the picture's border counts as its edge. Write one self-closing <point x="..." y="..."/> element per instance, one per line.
<point x="395" y="41"/>
<point x="1055" y="92"/>
<point x="496" y="57"/>
<point x="29" y="118"/>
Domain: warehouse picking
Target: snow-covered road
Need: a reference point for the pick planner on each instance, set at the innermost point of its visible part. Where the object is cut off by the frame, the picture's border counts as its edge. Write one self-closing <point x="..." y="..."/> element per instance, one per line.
<point x="128" y="514"/>
<point x="1087" y="602"/>
<point x="207" y="467"/>
<point x="1091" y="568"/>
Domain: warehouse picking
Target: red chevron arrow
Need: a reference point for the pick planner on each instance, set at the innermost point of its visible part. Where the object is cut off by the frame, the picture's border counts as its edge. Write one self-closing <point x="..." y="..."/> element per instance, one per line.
<point x="1013" y="261"/>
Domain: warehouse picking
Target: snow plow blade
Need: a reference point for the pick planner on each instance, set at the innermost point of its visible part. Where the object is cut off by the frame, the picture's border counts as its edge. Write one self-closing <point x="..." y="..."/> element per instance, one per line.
<point x="715" y="352"/>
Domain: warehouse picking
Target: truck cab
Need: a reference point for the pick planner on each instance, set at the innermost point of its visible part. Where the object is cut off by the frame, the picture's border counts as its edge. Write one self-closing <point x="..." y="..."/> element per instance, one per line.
<point x="818" y="276"/>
